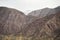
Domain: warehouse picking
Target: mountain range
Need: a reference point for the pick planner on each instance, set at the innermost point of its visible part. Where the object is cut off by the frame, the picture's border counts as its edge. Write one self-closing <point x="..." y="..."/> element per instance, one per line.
<point x="43" y="24"/>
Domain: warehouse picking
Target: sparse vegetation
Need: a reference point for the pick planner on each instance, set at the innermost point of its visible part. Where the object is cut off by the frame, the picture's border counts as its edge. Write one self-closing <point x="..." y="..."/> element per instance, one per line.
<point x="20" y="37"/>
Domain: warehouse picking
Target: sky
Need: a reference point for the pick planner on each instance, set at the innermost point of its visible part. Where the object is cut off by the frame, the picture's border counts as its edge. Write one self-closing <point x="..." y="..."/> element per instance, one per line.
<point x="27" y="6"/>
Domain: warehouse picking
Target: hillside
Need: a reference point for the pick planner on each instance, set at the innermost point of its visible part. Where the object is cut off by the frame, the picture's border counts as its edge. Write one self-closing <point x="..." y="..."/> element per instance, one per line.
<point x="42" y="12"/>
<point x="11" y="20"/>
<point x="44" y="28"/>
<point x="41" y="24"/>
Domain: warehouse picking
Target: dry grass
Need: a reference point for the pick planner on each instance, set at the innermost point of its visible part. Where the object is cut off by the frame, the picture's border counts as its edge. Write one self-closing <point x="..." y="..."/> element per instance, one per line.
<point x="20" y="37"/>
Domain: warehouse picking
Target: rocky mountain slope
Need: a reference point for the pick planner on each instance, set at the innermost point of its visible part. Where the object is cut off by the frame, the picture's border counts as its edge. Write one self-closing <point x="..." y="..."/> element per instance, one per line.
<point x="42" y="12"/>
<point x="11" y="20"/>
<point x="46" y="27"/>
<point x="30" y="18"/>
<point x="41" y="24"/>
<point x="34" y="15"/>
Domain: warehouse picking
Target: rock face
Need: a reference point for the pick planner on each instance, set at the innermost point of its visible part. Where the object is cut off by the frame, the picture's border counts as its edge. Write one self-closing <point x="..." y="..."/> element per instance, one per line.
<point x="47" y="26"/>
<point x="30" y="18"/>
<point x="34" y="15"/>
<point x="42" y="12"/>
<point x="36" y="25"/>
<point x="11" y="20"/>
<point x="57" y="31"/>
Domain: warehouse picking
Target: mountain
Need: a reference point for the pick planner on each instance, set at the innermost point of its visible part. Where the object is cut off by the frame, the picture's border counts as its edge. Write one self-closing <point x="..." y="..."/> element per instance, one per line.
<point x="42" y="12"/>
<point x="34" y="15"/>
<point x="41" y="24"/>
<point x="36" y="25"/>
<point x="11" y="20"/>
<point x="45" y="28"/>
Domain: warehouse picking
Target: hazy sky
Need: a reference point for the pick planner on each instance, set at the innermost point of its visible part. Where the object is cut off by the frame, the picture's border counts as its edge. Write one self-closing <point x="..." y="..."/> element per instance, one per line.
<point x="28" y="5"/>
